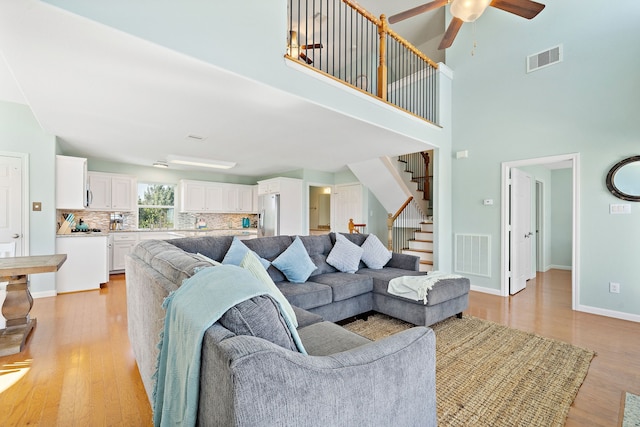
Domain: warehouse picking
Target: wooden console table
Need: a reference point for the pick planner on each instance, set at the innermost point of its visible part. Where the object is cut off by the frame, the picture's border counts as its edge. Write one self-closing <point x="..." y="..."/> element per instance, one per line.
<point x="18" y="302"/>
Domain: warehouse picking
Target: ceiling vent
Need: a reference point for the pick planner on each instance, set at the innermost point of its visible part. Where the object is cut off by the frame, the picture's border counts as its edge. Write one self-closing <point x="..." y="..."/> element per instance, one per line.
<point x="544" y="59"/>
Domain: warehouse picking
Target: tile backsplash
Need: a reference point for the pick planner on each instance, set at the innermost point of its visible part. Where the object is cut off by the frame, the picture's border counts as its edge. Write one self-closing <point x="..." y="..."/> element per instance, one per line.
<point x="183" y="221"/>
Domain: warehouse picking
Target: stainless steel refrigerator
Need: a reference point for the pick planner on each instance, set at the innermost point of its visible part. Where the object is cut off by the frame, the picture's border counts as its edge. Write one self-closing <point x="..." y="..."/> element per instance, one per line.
<point x="269" y="215"/>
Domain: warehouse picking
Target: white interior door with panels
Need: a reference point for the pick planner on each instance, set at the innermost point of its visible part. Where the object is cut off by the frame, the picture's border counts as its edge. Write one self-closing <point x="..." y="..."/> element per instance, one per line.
<point x="521" y="233"/>
<point x="11" y="227"/>
<point x="348" y="205"/>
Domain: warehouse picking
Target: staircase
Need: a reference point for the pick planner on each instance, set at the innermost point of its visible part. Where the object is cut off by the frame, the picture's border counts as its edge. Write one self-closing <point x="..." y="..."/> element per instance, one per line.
<point x="416" y="171"/>
<point x="422" y="245"/>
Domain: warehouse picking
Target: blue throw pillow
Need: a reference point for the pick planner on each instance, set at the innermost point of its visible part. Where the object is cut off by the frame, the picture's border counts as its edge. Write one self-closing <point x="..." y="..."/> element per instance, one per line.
<point x="237" y="251"/>
<point x="345" y="255"/>
<point x="375" y="255"/>
<point x="295" y="263"/>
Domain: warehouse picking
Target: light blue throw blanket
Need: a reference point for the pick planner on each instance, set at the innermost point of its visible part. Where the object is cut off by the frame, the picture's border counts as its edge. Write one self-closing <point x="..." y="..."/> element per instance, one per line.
<point x="191" y="310"/>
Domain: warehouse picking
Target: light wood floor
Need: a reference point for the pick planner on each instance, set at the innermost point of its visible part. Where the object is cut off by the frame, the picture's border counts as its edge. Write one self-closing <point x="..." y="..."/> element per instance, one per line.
<point x="78" y="369"/>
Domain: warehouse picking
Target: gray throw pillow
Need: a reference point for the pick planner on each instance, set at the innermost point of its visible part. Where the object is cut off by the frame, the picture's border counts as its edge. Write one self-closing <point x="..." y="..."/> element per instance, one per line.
<point x="259" y="317"/>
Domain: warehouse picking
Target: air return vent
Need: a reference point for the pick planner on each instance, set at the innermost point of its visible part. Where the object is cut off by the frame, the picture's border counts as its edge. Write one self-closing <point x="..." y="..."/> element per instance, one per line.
<point x="544" y="59"/>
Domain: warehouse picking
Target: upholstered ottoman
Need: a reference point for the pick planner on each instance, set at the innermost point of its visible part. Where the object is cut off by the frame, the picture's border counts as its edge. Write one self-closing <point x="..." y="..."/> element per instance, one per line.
<point x="447" y="298"/>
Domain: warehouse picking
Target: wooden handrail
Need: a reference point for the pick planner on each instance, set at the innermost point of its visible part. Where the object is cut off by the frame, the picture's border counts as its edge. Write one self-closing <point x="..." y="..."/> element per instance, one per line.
<point x="353" y="228"/>
<point x="391" y="219"/>
<point x="404" y="205"/>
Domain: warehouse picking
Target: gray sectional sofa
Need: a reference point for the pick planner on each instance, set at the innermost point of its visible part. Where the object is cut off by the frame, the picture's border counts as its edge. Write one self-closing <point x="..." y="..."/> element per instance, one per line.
<point x="344" y="380"/>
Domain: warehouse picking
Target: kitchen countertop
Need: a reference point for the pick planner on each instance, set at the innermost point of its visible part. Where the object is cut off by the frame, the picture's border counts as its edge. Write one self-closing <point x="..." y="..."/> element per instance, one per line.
<point x="178" y="233"/>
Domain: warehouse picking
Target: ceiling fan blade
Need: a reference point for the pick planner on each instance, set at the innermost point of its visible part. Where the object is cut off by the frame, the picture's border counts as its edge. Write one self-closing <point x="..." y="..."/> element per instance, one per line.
<point x="312" y="46"/>
<point x="526" y="8"/>
<point x="450" y="34"/>
<point x="305" y="58"/>
<point x="417" y="11"/>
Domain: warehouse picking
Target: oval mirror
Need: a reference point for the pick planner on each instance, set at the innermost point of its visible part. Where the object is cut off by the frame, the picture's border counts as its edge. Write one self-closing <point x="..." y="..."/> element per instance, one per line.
<point x="623" y="180"/>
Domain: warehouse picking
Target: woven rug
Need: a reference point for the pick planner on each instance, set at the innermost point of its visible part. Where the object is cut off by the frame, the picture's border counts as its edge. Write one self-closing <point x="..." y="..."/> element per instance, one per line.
<point x="491" y="375"/>
<point x="631" y="411"/>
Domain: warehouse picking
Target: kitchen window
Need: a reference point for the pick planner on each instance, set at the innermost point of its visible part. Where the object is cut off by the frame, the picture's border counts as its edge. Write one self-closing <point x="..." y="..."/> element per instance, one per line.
<point x="155" y="205"/>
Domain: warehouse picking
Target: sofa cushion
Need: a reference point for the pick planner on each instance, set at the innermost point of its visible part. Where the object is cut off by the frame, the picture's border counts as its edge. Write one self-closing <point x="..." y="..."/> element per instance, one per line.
<point x="327" y="338"/>
<point x="345" y="256"/>
<point x="306" y="318"/>
<point x="212" y="247"/>
<point x="306" y="295"/>
<point x="318" y="247"/>
<point x="251" y="263"/>
<point x="374" y="254"/>
<point x="259" y="317"/>
<point x="345" y="285"/>
<point x="295" y="263"/>
<point x="442" y="291"/>
<point x="237" y="251"/>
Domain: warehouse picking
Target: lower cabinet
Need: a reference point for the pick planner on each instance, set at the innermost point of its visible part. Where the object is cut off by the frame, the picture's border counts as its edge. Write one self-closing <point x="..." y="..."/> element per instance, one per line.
<point x="121" y="245"/>
<point x="86" y="266"/>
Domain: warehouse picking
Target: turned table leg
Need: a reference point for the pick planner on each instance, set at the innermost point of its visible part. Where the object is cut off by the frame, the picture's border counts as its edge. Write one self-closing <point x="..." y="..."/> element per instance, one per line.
<point x="15" y="309"/>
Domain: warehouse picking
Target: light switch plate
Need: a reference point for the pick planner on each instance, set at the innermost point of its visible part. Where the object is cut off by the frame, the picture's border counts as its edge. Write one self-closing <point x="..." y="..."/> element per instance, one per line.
<point x="37" y="206"/>
<point x="619" y="208"/>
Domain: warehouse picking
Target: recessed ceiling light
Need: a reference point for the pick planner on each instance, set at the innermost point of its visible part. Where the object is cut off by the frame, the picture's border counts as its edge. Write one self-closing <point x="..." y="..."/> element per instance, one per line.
<point x="160" y="164"/>
<point x="205" y="163"/>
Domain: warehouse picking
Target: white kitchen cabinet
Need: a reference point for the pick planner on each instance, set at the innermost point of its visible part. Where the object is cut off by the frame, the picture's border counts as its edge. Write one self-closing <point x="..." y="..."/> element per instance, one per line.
<point x="121" y="245"/>
<point x="111" y="192"/>
<point x="71" y="183"/>
<point x="237" y="198"/>
<point x="202" y="196"/>
<point x="87" y="264"/>
<point x="199" y="196"/>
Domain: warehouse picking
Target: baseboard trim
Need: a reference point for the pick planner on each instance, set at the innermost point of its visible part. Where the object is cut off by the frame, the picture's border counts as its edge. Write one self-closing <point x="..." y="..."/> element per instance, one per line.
<point x="560" y="267"/>
<point x="609" y="313"/>
<point x="44" y="294"/>
<point x="486" y="290"/>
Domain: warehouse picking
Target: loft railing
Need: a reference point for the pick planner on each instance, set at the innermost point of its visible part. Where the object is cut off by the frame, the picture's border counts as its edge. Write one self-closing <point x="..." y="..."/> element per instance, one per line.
<point x="343" y="40"/>
<point x="403" y="224"/>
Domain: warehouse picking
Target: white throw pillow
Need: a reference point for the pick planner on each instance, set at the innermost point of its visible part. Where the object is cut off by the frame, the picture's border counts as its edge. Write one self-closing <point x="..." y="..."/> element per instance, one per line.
<point x="345" y="255"/>
<point x="375" y="254"/>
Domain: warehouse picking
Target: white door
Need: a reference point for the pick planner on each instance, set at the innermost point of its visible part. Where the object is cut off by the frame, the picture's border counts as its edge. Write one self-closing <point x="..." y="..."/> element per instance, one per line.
<point x="11" y="202"/>
<point x="348" y="205"/>
<point x="520" y="239"/>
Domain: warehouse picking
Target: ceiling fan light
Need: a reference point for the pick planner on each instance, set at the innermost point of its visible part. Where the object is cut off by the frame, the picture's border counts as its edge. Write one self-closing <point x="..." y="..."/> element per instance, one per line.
<point x="468" y="10"/>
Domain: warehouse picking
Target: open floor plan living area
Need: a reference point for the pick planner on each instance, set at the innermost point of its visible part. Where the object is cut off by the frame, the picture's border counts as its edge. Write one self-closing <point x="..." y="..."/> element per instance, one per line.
<point x="319" y="213"/>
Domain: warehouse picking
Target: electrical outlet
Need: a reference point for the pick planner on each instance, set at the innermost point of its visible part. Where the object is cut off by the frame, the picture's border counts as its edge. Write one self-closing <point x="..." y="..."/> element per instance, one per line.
<point x="614" y="287"/>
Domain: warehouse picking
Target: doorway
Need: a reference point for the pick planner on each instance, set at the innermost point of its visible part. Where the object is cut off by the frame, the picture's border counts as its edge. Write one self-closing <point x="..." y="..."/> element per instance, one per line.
<point x="12" y="197"/>
<point x="571" y="161"/>
<point x="319" y="209"/>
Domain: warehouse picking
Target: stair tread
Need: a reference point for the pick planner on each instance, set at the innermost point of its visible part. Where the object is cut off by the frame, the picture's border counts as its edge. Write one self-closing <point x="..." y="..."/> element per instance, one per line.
<point x="427" y="251"/>
<point x="420" y="240"/>
<point x="426" y="262"/>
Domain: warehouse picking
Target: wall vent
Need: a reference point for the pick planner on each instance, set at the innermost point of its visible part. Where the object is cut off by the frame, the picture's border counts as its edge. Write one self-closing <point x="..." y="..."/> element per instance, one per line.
<point x="544" y="59"/>
<point x="473" y="254"/>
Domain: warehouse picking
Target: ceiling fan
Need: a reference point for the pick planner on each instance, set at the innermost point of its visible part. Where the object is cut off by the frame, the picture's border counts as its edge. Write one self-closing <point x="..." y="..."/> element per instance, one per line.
<point x="468" y="11"/>
<point x="296" y="51"/>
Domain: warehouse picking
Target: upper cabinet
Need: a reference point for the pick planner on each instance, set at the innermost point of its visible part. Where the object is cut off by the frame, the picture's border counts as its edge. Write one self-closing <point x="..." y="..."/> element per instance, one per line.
<point x="202" y="196"/>
<point x="111" y="192"/>
<point x="71" y="183"/>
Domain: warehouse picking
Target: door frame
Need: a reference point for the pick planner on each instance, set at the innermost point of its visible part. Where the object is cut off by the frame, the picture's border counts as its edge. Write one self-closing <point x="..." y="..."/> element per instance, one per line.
<point x="308" y="202"/>
<point x="575" y="207"/>
<point x="24" y="193"/>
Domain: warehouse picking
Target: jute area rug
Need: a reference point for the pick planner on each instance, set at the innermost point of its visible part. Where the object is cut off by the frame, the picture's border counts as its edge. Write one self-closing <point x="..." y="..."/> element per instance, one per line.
<point x="631" y="410"/>
<point x="491" y="375"/>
